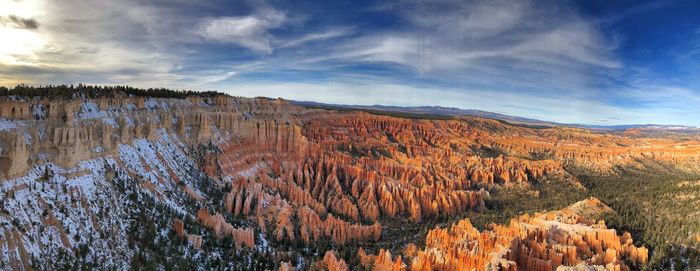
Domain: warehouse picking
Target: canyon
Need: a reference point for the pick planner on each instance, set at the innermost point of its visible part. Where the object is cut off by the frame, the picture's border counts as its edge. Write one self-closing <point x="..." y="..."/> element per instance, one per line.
<point x="259" y="183"/>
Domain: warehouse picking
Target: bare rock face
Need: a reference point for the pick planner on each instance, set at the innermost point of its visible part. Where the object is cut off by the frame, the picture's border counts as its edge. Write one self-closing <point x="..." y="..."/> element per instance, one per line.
<point x="68" y="131"/>
<point x="179" y="228"/>
<point x="15" y="110"/>
<point x="16" y="160"/>
<point x="192" y="239"/>
<point x="285" y="266"/>
<point x="331" y="263"/>
<point x="559" y="240"/>
<point x="195" y="240"/>
<point x="217" y="223"/>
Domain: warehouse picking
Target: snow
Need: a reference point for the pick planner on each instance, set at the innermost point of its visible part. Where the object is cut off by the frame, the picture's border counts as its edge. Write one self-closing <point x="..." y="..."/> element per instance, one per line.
<point x="151" y="103"/>
<point x="129" y="121"/>
<point x="6" y="125"/>
<point x="264" y="244"/>
<point x="64" y="198"/>
<point x="91" y="111"/>
<point x="111" y="122"/>
<point x="27" y="137"/>
<point x="143" y="150"/>
<point x="44" y="156"/>
<point x="250" y="172"/>
<point x="42" y="133"/>
<point x="76" y="195"/>
<point x="87" y="204"/>
<point x="38" y="111"/>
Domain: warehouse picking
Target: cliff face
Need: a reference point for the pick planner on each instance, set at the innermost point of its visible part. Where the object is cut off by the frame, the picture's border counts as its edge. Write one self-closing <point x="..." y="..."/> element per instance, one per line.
<point x="550" y="241"/>
<point x="65" y="132"/>
<point x="93" y="166"/>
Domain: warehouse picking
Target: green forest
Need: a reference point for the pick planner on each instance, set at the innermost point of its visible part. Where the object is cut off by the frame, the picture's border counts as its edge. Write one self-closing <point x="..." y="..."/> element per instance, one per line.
<point x="95" y="91"/>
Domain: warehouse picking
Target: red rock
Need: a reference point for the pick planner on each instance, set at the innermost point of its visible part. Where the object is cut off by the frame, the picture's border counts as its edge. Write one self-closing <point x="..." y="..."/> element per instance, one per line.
<point x="241" y="237"/>
<point x="542" y="242"/>
<point x="332" y="263"/>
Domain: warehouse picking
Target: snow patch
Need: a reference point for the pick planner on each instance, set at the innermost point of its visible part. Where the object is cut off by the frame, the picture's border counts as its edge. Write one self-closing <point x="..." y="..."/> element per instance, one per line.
<point x="6" y="125"/>
<point x="91" y="111"/>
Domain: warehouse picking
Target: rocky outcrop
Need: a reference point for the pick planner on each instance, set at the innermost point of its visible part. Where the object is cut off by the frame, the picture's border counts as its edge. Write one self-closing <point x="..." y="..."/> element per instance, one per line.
<point x="14" y="155"/>
<point x="559" y="240"/>
<point x="67" y="131"/>
<point x="313" y="228"/>
<point x="242" y="237"/>
<point x="285" y="266"/>
<point x="15" y="110"/>
<point x="331" y="263"/>
<point x="192" y="239"/>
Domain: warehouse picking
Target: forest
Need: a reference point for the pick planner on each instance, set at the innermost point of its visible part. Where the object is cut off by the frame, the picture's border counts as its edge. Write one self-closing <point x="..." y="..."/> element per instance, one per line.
<point x="96" y="91"/>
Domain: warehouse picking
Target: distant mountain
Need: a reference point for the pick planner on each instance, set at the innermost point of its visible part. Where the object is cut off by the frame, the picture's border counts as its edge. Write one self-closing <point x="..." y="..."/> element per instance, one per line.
<point x="455" y="112"/>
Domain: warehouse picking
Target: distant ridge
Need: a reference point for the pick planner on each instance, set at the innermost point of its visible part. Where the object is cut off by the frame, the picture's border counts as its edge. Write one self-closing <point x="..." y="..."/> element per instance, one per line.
<point x="455" y="112"/>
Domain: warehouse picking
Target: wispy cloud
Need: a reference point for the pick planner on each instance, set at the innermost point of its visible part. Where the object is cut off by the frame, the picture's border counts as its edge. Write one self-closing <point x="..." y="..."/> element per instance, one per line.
<point x="493" y="40"/>
<point x="249" y="31"/>
<point x="311" y="37"/>
<point x="531" y="58"/>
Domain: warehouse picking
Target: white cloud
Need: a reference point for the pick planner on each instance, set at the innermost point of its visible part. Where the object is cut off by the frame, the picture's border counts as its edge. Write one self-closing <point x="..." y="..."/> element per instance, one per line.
<point x="247" y="31"/>
<point x="311" y="37"/>
<point x="524" y="58"/>
<point x="106" y="42"/>
<point x="505" y="44"/>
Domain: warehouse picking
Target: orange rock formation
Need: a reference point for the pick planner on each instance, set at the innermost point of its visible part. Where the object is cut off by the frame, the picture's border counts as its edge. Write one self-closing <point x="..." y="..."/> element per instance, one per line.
<point x="546" y="241"/>
<point x="193" y="239"/>
<point x="217" y="223"/>
<point x="309" y="175"/>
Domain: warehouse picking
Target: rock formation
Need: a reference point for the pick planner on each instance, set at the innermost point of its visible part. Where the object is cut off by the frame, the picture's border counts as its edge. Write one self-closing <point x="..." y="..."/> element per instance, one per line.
<point x="549" y="241"/>
<point x="331" y="263"/>
<point x="193" y="239"/>
<point x="217" y="223"/>
<point x="287" y="173"/>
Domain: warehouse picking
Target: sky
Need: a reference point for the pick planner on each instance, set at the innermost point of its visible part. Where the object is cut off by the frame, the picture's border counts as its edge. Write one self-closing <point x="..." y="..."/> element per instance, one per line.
<point x="591" y="62"/>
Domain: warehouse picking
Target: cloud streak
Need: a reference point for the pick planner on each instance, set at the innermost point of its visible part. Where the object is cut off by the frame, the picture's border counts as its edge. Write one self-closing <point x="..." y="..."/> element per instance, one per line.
<point x="532" y="58"/>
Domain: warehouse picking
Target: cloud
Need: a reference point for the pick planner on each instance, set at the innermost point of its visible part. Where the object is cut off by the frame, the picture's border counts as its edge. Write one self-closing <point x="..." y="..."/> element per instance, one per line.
<point x="530" y="58"/>
<point x="18" y="22"/>
<point x="106" y="42"/>
<point x="497" y="44"/>
<point x="247" y="31"/>
<point x="312" y="37"/>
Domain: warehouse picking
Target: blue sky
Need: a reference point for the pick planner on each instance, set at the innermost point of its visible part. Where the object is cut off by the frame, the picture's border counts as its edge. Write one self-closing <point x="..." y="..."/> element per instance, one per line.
<point x="593" y="62"/>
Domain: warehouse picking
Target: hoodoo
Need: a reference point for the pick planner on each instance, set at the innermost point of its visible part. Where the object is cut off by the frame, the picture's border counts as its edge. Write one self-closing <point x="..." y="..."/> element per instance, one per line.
<point x="218" y="174"/>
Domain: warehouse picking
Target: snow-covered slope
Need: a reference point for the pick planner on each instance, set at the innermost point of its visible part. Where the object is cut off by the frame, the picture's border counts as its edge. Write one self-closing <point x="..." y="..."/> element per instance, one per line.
<point x="100" y="186"/>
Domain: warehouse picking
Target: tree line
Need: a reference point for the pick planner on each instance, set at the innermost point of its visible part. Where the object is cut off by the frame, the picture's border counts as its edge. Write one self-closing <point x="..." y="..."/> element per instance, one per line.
<point x="96" y="91"/>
